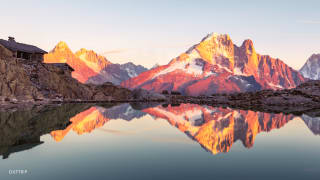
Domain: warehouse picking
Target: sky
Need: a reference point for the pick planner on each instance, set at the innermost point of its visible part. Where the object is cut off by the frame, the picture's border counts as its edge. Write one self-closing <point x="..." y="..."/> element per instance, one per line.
<point x="153" y="32"/>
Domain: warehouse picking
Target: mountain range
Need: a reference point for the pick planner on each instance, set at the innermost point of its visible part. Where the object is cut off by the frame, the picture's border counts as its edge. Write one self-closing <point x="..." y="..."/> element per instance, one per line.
<point x="91" y="68"/>
<point x="217" y="65"/>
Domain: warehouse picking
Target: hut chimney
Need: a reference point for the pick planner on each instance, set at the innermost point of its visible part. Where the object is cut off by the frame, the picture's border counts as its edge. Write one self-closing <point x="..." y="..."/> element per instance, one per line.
<point x="11" y="39"/>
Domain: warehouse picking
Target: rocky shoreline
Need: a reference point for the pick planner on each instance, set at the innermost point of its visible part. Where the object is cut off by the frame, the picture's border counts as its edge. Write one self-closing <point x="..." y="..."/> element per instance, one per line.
<point x="301" y="100"/>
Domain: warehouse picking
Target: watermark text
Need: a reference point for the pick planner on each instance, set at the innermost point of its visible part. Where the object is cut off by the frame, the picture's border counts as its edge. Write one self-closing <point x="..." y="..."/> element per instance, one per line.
<point x="18" y="171"/>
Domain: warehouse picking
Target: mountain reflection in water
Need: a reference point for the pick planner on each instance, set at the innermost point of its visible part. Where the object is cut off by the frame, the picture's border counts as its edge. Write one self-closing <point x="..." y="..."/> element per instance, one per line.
<point x="215" y="129"/>
<point x="96" y="117"/>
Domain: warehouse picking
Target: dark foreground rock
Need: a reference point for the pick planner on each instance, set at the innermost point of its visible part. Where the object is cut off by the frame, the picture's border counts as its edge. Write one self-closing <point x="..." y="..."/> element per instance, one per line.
<point x="31" y="82"/>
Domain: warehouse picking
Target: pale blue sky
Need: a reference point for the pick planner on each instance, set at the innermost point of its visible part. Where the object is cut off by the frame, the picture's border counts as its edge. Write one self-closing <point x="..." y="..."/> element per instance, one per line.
<point x="149" y="32"/>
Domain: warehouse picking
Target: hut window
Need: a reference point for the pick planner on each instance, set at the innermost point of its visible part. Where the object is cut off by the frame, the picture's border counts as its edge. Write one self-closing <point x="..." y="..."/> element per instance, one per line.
<point x="26" y="56"/>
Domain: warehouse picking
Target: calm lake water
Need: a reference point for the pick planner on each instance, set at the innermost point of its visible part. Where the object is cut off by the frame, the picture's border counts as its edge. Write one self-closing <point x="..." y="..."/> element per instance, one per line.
<point x="186" y="141"/>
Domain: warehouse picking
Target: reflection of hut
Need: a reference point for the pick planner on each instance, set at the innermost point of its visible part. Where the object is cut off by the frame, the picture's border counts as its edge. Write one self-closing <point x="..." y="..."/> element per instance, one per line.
<point x="22" y="146"/>
<point x="23" y="51"/>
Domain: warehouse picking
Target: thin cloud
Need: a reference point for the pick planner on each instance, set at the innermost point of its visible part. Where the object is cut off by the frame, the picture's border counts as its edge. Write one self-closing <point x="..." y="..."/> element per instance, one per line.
<point x="173" y="46"/>
<point x="309" y="22"/>
<point x="116" y="51"/>
<point x="173" y="140"/>
<point x="117" y="132"/>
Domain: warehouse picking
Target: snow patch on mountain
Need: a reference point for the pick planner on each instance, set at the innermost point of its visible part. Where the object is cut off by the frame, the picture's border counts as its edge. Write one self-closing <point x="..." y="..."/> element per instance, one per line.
<point x="131" y="72"/>
<point x="187" y="67"/>
<point x="225" y="116"/>
<point x="237" y="71"/>
<point x="275" y="86"/>
<point x="193" y="115"/>
<point x="94" y="66"/>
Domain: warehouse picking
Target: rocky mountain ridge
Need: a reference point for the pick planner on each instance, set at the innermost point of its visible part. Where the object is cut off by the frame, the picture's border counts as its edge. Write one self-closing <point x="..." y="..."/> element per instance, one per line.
<point x="91" y="68"/>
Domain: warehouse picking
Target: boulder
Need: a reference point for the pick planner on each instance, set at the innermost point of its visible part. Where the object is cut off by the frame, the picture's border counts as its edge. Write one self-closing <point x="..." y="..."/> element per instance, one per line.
<point x="145" y="95"/>
<point x="5" y="53"/>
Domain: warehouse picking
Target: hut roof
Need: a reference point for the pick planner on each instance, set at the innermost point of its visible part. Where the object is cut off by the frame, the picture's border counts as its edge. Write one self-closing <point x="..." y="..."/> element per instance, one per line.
<point x="15" y="46"/>
<point x="62" y="65"/>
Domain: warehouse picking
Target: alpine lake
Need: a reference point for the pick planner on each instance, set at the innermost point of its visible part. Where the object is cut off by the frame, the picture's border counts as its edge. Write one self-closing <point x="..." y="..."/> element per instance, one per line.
<point x="157" y="141"/>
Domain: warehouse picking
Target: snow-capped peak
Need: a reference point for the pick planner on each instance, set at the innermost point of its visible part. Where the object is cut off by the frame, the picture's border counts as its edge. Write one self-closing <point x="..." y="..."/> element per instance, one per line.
<point x="311" y="69"/>
<point x="215" y="36"/>
<point x="215" y="64"/>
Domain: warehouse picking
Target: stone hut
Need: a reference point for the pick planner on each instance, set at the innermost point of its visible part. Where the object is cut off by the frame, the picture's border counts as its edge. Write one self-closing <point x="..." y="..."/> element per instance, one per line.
<point x="23" y="51"/>
<point x="63" y="66"/>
